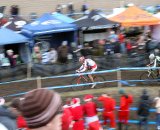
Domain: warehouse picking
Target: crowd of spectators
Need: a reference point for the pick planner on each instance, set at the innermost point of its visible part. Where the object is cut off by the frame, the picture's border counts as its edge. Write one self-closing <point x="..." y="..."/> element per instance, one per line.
<point x="42" y="109"/>
<point x="116" y="43"/>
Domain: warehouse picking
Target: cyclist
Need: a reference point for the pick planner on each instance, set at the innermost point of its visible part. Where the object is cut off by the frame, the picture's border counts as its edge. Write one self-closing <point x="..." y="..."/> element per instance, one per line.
<point x="87" y="65"/>
<point x="154" y="62"/>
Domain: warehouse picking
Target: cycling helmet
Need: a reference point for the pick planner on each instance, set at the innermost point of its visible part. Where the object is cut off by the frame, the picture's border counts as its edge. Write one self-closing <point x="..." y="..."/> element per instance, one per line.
<point x="81" y="59"/>
<point x="151" y="56"/>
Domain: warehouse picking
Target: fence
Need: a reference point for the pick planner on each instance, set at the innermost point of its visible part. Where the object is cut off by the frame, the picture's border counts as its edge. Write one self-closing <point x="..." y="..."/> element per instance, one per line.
<point x="43" y="70"/>
<point x="118" y="75"/>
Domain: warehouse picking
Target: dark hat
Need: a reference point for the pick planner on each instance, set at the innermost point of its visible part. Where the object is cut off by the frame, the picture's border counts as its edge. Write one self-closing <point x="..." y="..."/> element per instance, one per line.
<point x="121" y="91"/>
<point x="40" y="106"/>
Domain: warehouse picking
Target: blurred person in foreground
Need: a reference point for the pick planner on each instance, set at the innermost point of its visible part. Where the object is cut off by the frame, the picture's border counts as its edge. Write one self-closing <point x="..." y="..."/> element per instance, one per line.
<point x="77" y="113"/>
<point x="90" y="112"/>
<point x="7" y="118"/>
<point x="123" y="113"/>
<point x="109" y="110"/>
<point x="143" y="110"/>
<point x="15" y="108"/>
<point x="42" y="109"/>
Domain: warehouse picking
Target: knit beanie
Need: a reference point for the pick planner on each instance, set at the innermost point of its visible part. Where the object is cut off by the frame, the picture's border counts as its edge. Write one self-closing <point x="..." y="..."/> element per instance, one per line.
<point x="40" y="106"/>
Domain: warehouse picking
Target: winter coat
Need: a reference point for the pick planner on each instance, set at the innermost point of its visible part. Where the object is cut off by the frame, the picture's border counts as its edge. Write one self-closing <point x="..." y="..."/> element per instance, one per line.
<point x="7" y="118"/>
<point x="144" y="106"/>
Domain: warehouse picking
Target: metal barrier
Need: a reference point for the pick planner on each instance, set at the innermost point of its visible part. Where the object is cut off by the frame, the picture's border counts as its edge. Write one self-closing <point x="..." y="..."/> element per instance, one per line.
<point x="119" y="79"/>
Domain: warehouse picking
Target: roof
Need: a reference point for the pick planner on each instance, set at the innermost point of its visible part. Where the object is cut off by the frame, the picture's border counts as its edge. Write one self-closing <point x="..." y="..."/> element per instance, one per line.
<point x="10" y="37"/>
<point x="47" y="24"/>
<point x="63" y="17"/>
<point x="134" y="16"/>
<point x="95" y="20"/>
<point x="16" y="23"/>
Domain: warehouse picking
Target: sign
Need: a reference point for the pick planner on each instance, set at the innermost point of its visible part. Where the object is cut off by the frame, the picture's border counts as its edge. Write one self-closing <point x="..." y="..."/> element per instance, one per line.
<point x="20" y="24"/>
<point x="48" y="22"/>
<point x="96" y="17"/>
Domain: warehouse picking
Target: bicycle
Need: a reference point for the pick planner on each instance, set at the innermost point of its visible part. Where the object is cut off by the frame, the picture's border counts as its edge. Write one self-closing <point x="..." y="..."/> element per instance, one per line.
<point x="149" y="75"/>
<point x="83" y="79"/>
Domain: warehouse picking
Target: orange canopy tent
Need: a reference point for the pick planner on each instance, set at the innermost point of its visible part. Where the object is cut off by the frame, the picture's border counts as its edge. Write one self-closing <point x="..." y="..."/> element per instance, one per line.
<point x="133" y="16"/>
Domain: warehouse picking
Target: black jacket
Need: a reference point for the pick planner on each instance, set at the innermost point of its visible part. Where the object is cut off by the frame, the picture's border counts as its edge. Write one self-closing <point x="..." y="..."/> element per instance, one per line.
<point x="144" y="106"/>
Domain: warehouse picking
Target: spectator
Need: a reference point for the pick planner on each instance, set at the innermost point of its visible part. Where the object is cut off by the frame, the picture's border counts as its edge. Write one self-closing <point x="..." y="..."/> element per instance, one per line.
<point x="129" y="47"/>
<point x="84" y="8"/>
<point x="108" y="112"/>
<point x="143" y="110"/>
<point x="72" y="51"/>
<point x="157" y="106"/>
<point x="14" y="10"/>
<point x="116" y="45"/>
<point x="121" y="39"/>
<point x="100" y="47"/>
<point x="90" y="111"/>
<point x="36" y="55"/>
<point x="7" y="119"/>
<point x="15" y="108"/>
<point x="59" y="8"/>
<point x="70" y="8"/>
<point x="77" y="113"/>
<point x="45" y="57"/>
<point x="3" y="20"/>
<point x="52" y="56"/>
<point x="123" y="112"/>
<point x="109" y="48"/>
<point x="2" y="127"/>
<point x="85" y="51"/>
<point x="12" y="58"/>
<point x="67" y="119"/>
<point x="42" y="109"/>
<point x="113" y="36"/>
<point x="63" y="52"/>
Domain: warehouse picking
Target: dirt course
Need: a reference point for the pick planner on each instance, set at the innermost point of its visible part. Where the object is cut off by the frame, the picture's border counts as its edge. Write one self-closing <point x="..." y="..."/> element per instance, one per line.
<point x="20" y="87"/>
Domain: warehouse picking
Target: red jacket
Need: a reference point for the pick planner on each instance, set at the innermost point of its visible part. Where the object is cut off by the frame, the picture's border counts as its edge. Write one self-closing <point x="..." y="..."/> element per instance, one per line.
<point x="66" y="119"/>
<point x="108" y="103"/>
<point x="90" y="109"/>
<point x="125" y="102"/>
<point x="77" y="112"/>
<point x="21" y="123"/>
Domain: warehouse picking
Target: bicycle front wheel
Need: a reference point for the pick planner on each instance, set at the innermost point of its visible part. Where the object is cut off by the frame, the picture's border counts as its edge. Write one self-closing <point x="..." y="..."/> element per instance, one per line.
<point x="76" y="82"/>
<point x="101" y="79"/>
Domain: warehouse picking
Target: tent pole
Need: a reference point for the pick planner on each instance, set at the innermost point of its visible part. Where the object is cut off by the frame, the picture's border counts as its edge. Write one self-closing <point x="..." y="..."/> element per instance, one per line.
<point x="81" y="37"/>
<point x="29" y="64"/>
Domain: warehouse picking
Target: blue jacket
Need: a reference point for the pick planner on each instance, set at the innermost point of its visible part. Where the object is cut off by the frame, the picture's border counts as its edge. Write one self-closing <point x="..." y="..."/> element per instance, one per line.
<point x="7" y="118"/>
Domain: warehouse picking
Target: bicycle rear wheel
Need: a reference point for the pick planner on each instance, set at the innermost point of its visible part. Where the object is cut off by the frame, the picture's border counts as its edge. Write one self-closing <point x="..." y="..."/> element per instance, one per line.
<point x="99" y="78"/>
<point x="147" y="78"/>
<point x="75" y="82"/>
